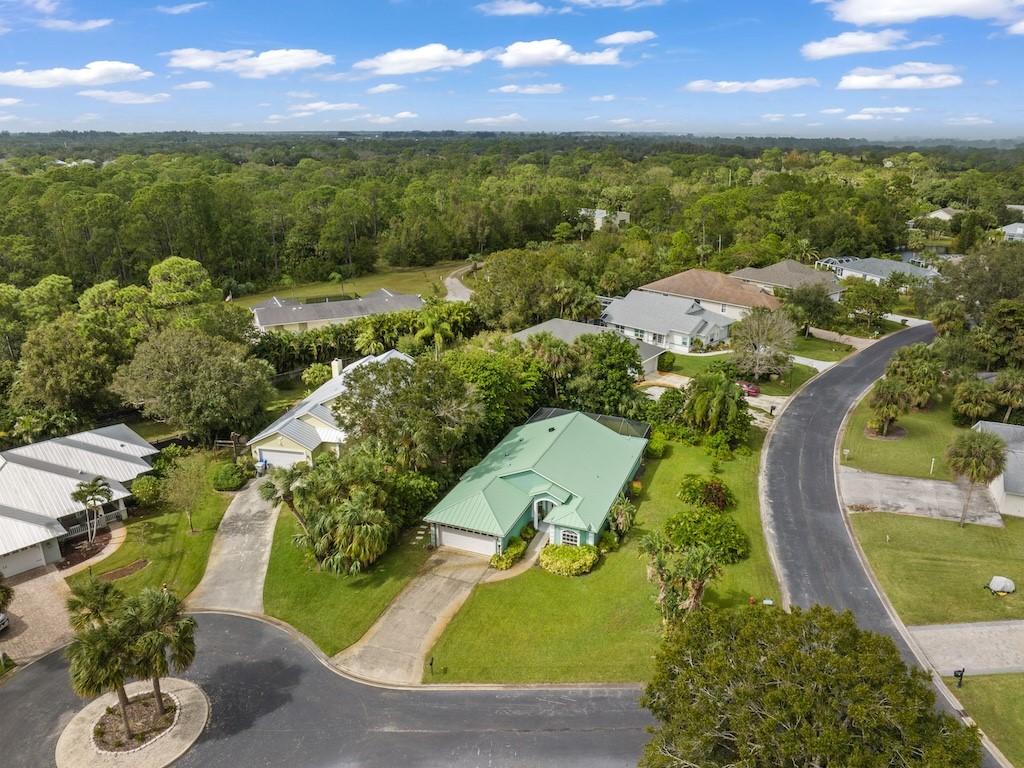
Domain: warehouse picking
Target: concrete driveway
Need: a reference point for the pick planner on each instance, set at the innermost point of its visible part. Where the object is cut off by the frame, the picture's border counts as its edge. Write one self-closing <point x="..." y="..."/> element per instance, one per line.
<point x="39" y="620"/>
<point x="456" y="289"/>
<point x="392" y="650"/>
<point x="939" y="499"/>
<point x="237" y="567"/>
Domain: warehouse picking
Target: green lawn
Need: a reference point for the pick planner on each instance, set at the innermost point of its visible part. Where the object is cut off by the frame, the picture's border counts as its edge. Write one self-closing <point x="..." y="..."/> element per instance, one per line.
<point x="996" y="702"/>
<point x="692" y="365"/>
<point x="603" y="627"/>
<point x="934" y="572"/>
<point x="420" y="280"/>
<point x="152" y="430"/>
<point x="929" y="433"/>
<point x="333" y="611"/>
<point x="176" y="557"/>
<point x="820" y="349"/>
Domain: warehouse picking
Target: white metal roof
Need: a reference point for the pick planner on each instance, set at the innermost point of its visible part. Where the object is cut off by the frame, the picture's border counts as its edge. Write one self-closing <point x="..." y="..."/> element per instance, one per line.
<point x="94" y="460"/>
<point x="35" y="486"/>
<point x="117" y="437"/>
<point x="20" y="529"/>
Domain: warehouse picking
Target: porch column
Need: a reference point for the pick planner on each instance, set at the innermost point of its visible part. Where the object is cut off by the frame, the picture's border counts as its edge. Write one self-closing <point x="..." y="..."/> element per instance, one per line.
<point x="122" y="511"/>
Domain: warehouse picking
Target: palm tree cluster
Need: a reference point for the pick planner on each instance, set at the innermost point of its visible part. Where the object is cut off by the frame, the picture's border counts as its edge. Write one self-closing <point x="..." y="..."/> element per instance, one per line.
<point x="120" y="638"/>
<point x="93" y="494"/>
<point x="681" y="574"/>
<point x="918" y="366"/>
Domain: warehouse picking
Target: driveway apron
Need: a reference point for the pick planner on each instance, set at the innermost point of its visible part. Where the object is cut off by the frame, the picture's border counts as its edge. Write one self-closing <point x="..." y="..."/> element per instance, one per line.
<point x="981" y="648"/>
<point x="392" y="650"/>
<point x="39" y="619"/>
<point x="238" y="560"/>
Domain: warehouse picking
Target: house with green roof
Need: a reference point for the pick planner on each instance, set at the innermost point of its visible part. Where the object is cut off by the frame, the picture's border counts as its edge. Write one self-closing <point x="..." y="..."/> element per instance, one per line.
<point x="561" y="474"/>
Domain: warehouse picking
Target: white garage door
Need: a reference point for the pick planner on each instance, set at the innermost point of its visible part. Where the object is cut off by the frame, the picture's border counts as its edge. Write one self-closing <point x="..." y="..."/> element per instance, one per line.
<point x="281" y="458"/>
<point x="466" y="541"/>
<point x="22" y="560"/>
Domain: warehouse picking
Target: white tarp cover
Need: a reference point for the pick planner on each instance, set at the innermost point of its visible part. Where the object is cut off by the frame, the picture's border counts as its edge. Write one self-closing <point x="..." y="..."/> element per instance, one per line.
<point x="1001" y="584"/>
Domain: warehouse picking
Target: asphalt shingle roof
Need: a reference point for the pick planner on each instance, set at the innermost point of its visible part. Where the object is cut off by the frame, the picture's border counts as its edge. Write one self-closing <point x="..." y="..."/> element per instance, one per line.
<point x="278" y="312"/>
<point x="786" y="274"/>
<point x="706" y="285"/>
<point x="658" y="313"/>
<point x="570" y="330"/>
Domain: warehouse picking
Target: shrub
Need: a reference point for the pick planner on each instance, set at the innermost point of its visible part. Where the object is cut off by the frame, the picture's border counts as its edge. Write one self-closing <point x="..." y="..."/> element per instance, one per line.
<point x="717" y="446"/>
<point x="528" y="533"/>
<point x="513" y="554"/>
<point x="621" y="516"/>
<point x="248" y="465"/>
<point x="666" y="361"/>
<point x="706" y="492"/>
<point x="316" y="375"/>
<point x="567" y="560"/>
<point x="228" y="477"/>
<point x="164" y="461"/>
<point x="720" y="532"/>
<point x="147" y="490"/>
<point x="609" y="542"/>
<point x="656" y="445"/>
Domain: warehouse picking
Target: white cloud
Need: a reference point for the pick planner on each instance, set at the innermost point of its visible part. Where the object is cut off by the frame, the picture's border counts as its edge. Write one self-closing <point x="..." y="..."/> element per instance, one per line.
<point x="324" y="106"/>
<point x="614" y="3"/>
<point x="621" y="121"/>
<point x="385" y="88"/>
<point x="409" y="61"/>
<point x="512" y="8"/>
<point x="531" y="90"/>
<point x="65" y="25"/>
<point x="1016" y="29"/>
<point x="863" y="12"/>
<point x="86" y="117"/>
<point x="911" y="75"/>
<point x="968" y="120"/>
<point x="388" y="119"/>
<point x="9" y="102"/>
<point x="860" y="42"/>
<point x="887" y="110"/>
<point x="626" y="38"/>
<point x="93" y="73"/>
<point x="300" y="94"/>
<point x="763" y="85"/>
<point x="773" y="117"/>
<point x="860" y="116"/>
<point x="43" y="6"/>
<point x="515" y="117"/>
<point x="542" y="53"/>
<point x="604" y="97"/>
<point x="249" y="64"/>
<point x="177" y="10"/>
<point x="832" y="111"/>
<point x="195" y="85"/>
<point x="125" y="97"/>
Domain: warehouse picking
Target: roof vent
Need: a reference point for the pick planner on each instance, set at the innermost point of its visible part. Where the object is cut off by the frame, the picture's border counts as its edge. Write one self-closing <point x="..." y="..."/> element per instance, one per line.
<point x="551" y="429"/>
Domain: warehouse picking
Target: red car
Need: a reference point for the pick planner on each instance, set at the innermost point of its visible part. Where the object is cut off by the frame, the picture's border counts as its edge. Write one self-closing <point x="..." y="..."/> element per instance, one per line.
<point x="752" y="390"/>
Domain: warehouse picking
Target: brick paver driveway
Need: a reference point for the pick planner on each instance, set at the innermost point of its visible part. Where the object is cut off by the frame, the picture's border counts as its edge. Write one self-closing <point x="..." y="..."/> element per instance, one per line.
<point x="39" y="620"/>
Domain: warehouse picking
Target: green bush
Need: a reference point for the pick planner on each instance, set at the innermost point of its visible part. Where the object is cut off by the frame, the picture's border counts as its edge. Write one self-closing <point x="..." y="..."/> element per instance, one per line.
<point x="706" y="492"/>
<point x="666" y="361"/>
<point x="228" y="477"/>
<point x="528" y="533"/>
<point x="164" y="461"/>
<point x="720" y="532"/>
<point x="248" y="465"/>
<point x="717" y="446"/>
<point x="609" y="542"/>
<point x="513" y="554"/>
<point x="147" y="490"/>
<point x="567" y="560"/>
<point x="622" y="515"/>
<point x="656" y="445"/>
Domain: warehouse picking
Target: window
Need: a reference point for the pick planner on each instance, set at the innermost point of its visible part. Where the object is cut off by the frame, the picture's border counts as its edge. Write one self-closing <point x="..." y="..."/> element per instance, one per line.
<point x="659" y="338"/>
<point x="638" y="333"/>
<point x="571" y="538"/>
<point x="723" y="308"/>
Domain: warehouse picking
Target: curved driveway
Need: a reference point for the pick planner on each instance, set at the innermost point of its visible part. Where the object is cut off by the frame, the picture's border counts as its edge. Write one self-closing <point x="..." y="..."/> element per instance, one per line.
<point x="274" y="703"/>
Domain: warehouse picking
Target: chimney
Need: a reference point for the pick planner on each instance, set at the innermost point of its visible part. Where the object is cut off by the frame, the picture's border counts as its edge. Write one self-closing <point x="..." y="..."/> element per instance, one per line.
<point x="336" y="367"/>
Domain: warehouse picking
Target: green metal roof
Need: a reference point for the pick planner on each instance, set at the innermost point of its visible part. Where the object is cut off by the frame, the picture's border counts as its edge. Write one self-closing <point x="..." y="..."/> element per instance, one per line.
<point x="572" y="459"/>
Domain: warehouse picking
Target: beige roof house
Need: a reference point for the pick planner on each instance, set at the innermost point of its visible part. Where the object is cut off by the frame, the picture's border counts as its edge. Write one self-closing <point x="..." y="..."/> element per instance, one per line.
<point x="719" y="293"/>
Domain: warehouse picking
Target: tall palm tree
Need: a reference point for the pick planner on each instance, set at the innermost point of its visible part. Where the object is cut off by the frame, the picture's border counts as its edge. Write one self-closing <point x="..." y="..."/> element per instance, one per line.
<point x="554" y="354"/>
<point x="6" y="594"/>
<point x="163" y="636"/>
<point x="280" y="487"/>
<point x="974" y="399"/>
<point x="700" y="565"/>
<point x="93" y="494"/>
<point x="1009" y="390"/>
<point x="435" y="329"/>
<point x="712" y="402"/>
<point x="949" y="317"/>
<point x="367" y="342"/>
<point x="978" y="455"/>
<point x="100" y="660"/>
<point x="93" y="604"/>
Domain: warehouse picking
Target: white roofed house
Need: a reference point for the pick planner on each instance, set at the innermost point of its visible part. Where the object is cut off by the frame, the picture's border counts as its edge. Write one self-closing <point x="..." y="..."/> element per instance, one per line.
<point x="309" y="428"/>
<point x="670" y="322"/>
<point x="878" y="270"/>
<point x="287" y="315"/>
<point x="570" y="330"/>
<point x="36" y="483"/>
<point x="1014" y="233"/>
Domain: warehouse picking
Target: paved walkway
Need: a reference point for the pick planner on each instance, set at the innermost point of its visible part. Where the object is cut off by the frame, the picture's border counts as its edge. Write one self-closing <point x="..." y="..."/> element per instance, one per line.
<point x="981" y="648"/>
<point x="238" y="561"/>
<point x="457" y="291"/>
<point x="854" y="341"/>
<point x="393" y="649"/>
<point x="818" y="365"/>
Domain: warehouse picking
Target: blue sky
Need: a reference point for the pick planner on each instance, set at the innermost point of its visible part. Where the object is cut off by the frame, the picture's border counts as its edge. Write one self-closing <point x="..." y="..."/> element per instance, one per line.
<point x="845" y="68"/>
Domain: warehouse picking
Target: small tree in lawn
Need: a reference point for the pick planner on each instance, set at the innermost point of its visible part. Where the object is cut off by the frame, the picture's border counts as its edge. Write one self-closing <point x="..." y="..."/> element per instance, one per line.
<point x="763" y="343"/>
<point x="93" y="494"/>
<point x="622" y="515"/>
<point x="279" y="488"/>
<point x="978" y="455"/>
<point x="185" y="485"/>
<point x="890" y="399"/>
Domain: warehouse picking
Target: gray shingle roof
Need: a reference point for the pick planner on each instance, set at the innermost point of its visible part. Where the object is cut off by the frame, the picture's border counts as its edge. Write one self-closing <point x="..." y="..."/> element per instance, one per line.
<point x="658" y="313"/>
<point x="785" y="274"/>
<point x="570" y="330"/>
<point x="278" y="312"/>
<point x="1013" y="435"/>
<point x="884" y="267"/>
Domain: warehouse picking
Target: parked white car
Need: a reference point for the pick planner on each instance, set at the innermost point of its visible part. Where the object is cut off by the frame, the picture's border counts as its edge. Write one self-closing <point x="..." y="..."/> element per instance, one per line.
<point x="4" y="621"/>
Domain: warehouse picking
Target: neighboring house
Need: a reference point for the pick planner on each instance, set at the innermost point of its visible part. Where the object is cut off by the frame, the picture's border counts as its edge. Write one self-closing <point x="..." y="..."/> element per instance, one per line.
<point x="560" y="474"/>
<point x="570" y="330"/>
<point x="287" y="315"/>
<point x="1008" y="489"/>
<point x="720" y="293"/>
<point x="309" y="428"/>
<point x="789" y="274"/>
<point x="941" y="214"/>
<point x="669" y="322"/>
<point x="877" y="270"/>
<point x="36" y="483"/>
<point x="1014" y="232"/>
<point x="601" y="217"/>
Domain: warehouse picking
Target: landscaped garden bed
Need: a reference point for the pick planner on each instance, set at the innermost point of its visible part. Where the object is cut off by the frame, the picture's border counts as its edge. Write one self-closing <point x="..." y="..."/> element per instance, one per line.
<point x="147" y="724"/>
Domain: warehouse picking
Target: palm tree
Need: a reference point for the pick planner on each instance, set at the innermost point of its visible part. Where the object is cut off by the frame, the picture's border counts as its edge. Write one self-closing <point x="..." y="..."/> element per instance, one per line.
<point x="93" y="604"/>
<point x="435" y="329"/>
<point x="93" y="494"/>
<point x="973" y="398"/>
<point x="978" y="455"/>
<point x="949" y="317"/>
<point x="712" y="402"/>
<point x="890" y="399"/>
<point x="100" y="660"/>
<point x="163" y="636"/>
<point x="367" y="342"/>
<point x="554" y="354"/>
<point x="6" y="594"/>
<point x="280" y="486"/>
<point x="1009" y="390"/>
<point x="700" y="565"/>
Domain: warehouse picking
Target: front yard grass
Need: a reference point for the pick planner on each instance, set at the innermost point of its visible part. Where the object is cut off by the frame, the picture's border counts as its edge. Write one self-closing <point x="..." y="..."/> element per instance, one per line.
<point x="929" y="433"/>
<point x="603" y="627"/>
<point x="820" y="349"/>
<point x="175" y="557"/>
<point x="333" y="610"/>
<point x="934" y="571"/>
<point x="692" y="365"/>
<point x="996" y="702"/>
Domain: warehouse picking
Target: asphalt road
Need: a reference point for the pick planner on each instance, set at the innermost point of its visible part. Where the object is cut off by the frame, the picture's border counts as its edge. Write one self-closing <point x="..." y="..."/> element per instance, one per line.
<point x="273" y="704"/>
